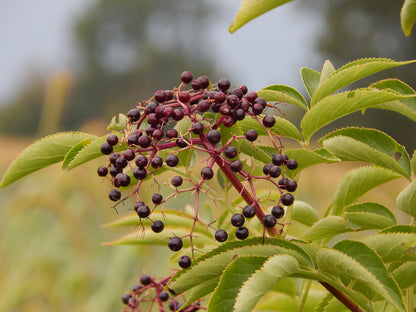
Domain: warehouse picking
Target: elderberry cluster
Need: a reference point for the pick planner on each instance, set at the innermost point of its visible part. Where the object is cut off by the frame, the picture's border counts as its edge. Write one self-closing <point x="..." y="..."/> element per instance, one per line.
<point x="155" y="137"/>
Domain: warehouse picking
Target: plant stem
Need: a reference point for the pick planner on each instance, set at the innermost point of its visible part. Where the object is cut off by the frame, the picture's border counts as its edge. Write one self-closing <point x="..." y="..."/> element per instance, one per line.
<point x="341" y="297"/>
<point x="306" y="288"/>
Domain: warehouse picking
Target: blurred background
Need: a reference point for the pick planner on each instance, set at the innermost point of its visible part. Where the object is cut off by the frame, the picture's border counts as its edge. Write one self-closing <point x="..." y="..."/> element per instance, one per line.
<point x="72" y="65"/>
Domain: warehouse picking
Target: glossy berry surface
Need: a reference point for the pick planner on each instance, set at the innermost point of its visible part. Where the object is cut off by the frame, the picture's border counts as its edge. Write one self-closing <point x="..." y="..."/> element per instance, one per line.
<point x="164" y="296"/>
<point x="133" y="114"/>
<point x="175" y="243"/>
<point x="269" y="121"/>
<point x="249" y="211"/>
<point x="214" y="136"/>
<point x="251" y="135"/>
<point x="102" y="171"/>
<point x="184" y="262"/>
<point x="287" y="199"/>
<point x="157" y="198"/>
<point x="156" y="162"/>
<point x="114" y="195"/>
<point x="269" y="221"/>
<point x="291" y="185"/>
<point x="186" y="77"/>
<point x="172" y="160"/>
<point x="207" y="173"/>
<point x="241" y="232"/>
<point x="157" y="226"/>
<point x="221" y="236"/>
<point x="292" y="164"/>
<point x="106" y="148"/>
<point x="230" y="151"/>
<point x="145" y="279"/>
<point x="236" y="166"/>
<point x="237" y="220"/>
<point x="177" y="181"/>
<point x="143" y="211"/>
<point x="274" y="171"/>
<point x="278" y="212"/>
<point x="112" y="139"/>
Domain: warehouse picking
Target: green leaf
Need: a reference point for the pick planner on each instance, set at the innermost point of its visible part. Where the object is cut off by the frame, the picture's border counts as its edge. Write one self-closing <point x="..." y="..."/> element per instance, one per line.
<point x="408" y="16"/>
<point x="341" y="104"/>
<point x="70" y="155"/>
<point x="414" y="162"/>
<point x="249" y="149"/>
<point x="406" y="201"/>
<point x="282" y="93"/>
<point x="369" y="216"/>
<point x="400" y="228"/>
<point x="249" y="10"/>
<point x="304" y="213"/>
<point x="372" y="262"/>
<point x="263" y="280"/>
<point x="393" y="247"/>
<point x="310" y="79"/>
<point x="231" y="280"/>
<point x="357" y="182"/>
<point x="118" y="123"/>
<point x="393" y="84"/>
<point x="405" y="275"/>
<point x="307" y="158"/>
<point x="327" y="228"/>
<point x="368" y="145"/>
<point x="42" y="153"/>
<point x="327" y="70"/>
<point x="350" y="73"/>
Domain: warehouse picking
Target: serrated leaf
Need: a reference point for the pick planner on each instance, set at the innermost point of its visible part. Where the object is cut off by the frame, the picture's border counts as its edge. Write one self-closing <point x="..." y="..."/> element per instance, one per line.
<point x="408" y="16"/>
<point x="286" y="286"/>
<point x="400" y="228"/>
<point x="310" y="79"/>
<point x="263" y="280"/>
<point x="231" y="281"/>
<point x="341" y="104"/>
<point x="282" y="93"/>
<point x="307" y="158"/>
<point x="327" y="228"/>
<point x="350" y="73"/>
<point x="42" y="153"/>
<point x="393" y="84"/>
<point x="368" y="145"/>
<point x="327" y="70"/>
<point x="405" y="275"/>
<point x="258" y="154"/>
<point x="330" y="304"/>
<point x="249" y="10"/>
<point x="69" y="156"/>
<point x="304" y="213"/>
<point x="369" y="215"/>
<point x="393" y="247"/>
<point x="212" y="264"/>
<point x="406" y="201"/>
<point x="357" y="182"/>
<point x="372" y="262"/>
<point x="118" y="123"/>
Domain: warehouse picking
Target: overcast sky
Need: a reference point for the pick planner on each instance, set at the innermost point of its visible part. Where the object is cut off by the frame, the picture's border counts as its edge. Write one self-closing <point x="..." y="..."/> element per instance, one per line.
<point x="270" y="49"/>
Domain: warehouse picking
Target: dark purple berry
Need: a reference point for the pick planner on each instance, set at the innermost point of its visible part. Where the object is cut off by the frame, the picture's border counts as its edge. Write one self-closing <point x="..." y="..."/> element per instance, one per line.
<point x="219" y="97"/>
<point x="223" y="84"/>
<point x="291" y="185"/>
<point x="203" y="106"/>
<point x="207" y="173"/>
<point x="261" y="101"/>
<point x="278" y="212"/>
<point x="177" y="114"/>
<point x="287" y="199"/>
<point x="138" y="204"/>
<point x="125" y="298"/>
<point x="237" y="220"/>
<point x="171" y="133"/>
<point x="177" y="181"/>
<point x="236" y="165"/>
<point x="133" y="114"/>
<point x="283" y="182"/>
<point x="156" y="162"/>
<point x="152" y="119"/>
<point x="102" y="171"/>
<point x="133" y="139"/>
<point x="122" y="179"/>
<point x="241" y="232"/>
<point x="249" y="211"/>
<point x="181" y="143"/>
<point x="274" y="171"/>
<point x="137" y="287"/>
<point x="225" y="109"/>
<point x="144" y="141"/>
<point x="172" y="160"/>
<point x="115" y="170"/>
<point x="164" y="296"/>
<point x="204" y="81"/>
<point x="157" y="134"/>
<point x="141" y="161"/>
<point x="145" y="279"/>
<point x="244" y="89"/>
<point x="251" y="135"/>
<point x="112" y="139"/>
<point x="113" y="157"/>
<point x="184" y="96"/>
<point x="269" y="121"/>
<point x="143" y="211"/>
<point x="240" y="114"/>
<point x="157" y="198"/>
<point x="221" y="236"/>
<point x="157" y="226"/>
<point x="168" y="95"/>
<point x="230" y="151"/>
<point x="139" y="173"/>
<point x="197" y="127"/>
<point x="196" y="84"/>
<point x="238" y="92"/>
<point x="214" y="136"/>
<point x="266" y="168"/>
<point x="160" y="96"/>
<point x="251" y="97"/>
<point x="150" y="108"/>
<point x="129" y="154"/>
<point x="121" y="162"/>
<point x="114" y="195"/>
<point x="184" y="262"/>
<point x="168" y="112"/>
<point x="186" y="77"/>
<point x="278" y="159"/>
<point x="292" y="164"/>
<point x="257" y="109"/>
<point x="232" y="100"/>
<point x="269" y="221"/>
<point x="228" y="121"/>
<point x="106" y="148"/>
<point x="175" y="243"/>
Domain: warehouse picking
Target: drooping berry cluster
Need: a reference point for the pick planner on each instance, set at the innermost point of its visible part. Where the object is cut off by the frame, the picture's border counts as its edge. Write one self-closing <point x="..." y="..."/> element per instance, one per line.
<point x="160" y="129"/>
<point x="150" y="293"/>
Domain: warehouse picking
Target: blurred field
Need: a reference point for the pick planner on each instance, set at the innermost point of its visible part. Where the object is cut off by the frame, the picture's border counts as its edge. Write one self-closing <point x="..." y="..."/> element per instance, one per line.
<point x="50" y="253"/>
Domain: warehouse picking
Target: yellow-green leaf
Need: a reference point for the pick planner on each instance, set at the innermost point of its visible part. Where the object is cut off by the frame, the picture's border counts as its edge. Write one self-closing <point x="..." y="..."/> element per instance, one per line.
<point x="408" y="16"/>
